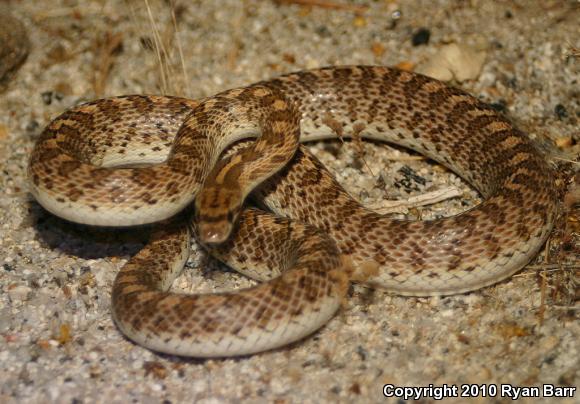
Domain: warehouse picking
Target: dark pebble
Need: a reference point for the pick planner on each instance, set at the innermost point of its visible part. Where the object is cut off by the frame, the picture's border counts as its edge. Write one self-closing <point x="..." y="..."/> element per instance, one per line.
<point x="323" y="31"/>
<point x="512" y="82"/>
<point x="147" y="43"/>
<point x="8" y="267"/>
<point x="362" y="353"/>
<point x="32" y="126"/>
<point x="47" y="97"/>
<point x="412" y="174"/>
<point x="421" y="37"/>
<point x="410" y="179"/>
<point x="500" y="106"/>
<point x="561" y="111"/>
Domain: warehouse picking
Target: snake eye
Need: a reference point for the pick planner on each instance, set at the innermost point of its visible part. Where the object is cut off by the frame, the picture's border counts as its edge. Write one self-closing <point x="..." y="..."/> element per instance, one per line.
<point x="233" y="213"/>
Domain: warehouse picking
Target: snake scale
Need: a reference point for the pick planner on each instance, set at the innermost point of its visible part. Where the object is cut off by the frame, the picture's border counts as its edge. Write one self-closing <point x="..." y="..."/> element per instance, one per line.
<point x="133" y="160"/>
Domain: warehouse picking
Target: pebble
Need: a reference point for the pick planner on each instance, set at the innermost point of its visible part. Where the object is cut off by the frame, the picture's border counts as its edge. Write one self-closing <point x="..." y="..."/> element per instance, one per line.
<point x="455" y="62"/>
<point x="19" y="293"/>
<point x="561" y="111"/>
<point x="421" y="37"/>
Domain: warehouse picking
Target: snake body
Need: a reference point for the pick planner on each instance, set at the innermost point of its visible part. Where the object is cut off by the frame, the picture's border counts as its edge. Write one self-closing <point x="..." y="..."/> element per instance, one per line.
<point x="88" y="167"/>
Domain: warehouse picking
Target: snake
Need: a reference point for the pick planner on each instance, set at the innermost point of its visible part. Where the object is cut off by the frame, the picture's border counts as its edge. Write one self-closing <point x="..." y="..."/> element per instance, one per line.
<point x="142" y="159"/>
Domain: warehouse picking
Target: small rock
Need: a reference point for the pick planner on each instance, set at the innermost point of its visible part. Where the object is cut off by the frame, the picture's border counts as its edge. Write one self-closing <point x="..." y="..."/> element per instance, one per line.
<point x="3" y="132"/>
<point x="454" y="61"/>
<point x="366" y="183"/>
<point x="421" y="37"/>
<point x="32" y="126"/>
<point x="405" y="65"/>
<point x="49" y="96"/>
<point x="359" y="21"/>
<point x="323" y="31"/>
<point x="561" y="111"/>
<point x="550" y="343"/>
<point x="378" y="49"/>
<point x="46" y="97"/>
<point x="564" y="142"/>
<point x="499" y="106"/>
<point x="7" y="267"/>
<point x="19" y="293"/>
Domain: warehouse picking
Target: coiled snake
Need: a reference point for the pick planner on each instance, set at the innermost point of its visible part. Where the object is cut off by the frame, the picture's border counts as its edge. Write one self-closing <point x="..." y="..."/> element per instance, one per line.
<point x="142" y="159"/>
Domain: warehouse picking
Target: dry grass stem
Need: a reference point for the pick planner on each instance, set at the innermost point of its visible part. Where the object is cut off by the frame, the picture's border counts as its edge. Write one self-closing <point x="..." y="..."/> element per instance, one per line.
<point x="429" y="198"/>
<point x="325" y="4"/>
<point x="159" y="49"/>
<point x="186" y="78"/>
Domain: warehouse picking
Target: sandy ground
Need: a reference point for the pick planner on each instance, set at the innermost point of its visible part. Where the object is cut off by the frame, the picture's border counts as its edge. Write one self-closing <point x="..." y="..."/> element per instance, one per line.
<point x="57" y="339"/>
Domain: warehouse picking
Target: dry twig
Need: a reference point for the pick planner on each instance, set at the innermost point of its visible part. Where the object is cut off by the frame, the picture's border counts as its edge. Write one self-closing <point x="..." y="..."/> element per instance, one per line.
<point x="429" y="198"/>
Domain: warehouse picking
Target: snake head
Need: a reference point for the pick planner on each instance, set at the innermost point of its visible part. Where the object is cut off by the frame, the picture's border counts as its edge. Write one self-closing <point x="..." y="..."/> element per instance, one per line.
<point x="216" y="213"/>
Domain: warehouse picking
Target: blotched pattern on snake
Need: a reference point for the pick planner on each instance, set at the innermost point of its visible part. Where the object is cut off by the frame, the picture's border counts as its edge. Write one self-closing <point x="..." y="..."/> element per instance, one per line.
<point x="141" y="159"/>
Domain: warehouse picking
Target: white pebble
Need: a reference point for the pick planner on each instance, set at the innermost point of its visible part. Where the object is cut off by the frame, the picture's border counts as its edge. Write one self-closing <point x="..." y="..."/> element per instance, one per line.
<point x="454" y="61"/>
<point x="19" y="293"/>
